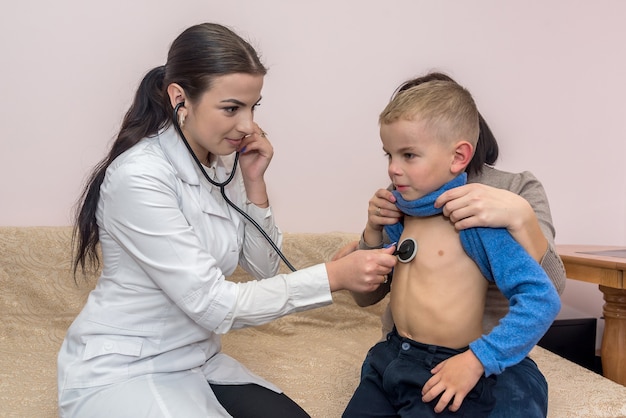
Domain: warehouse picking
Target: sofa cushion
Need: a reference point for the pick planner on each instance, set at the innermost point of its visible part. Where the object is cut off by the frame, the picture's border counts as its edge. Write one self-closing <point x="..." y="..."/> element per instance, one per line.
<point x="314" y="356"/>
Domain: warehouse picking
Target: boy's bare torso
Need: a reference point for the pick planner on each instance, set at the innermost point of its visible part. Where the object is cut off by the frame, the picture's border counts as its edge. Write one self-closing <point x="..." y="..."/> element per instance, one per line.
<point x="437" y="298"/>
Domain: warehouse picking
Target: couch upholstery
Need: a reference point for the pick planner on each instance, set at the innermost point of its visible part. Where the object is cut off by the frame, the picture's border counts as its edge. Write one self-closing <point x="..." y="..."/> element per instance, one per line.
<point x="314" y="356"/>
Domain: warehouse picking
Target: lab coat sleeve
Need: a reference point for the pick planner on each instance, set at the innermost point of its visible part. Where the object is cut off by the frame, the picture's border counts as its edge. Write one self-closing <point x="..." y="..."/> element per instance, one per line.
<point x="257" y="256"/>
<point x="261" y="301"/>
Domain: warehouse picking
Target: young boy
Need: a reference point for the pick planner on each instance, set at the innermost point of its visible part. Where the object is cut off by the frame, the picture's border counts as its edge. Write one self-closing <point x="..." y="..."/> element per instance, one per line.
<point x="436" y="356"/>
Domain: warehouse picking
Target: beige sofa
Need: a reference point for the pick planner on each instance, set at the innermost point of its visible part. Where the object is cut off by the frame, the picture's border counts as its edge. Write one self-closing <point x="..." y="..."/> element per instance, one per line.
<point x="314" y="356"/>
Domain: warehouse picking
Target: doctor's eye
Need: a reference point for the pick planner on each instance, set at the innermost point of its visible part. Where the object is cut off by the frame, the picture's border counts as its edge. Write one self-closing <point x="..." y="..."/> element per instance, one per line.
<point x="231" y="109"/>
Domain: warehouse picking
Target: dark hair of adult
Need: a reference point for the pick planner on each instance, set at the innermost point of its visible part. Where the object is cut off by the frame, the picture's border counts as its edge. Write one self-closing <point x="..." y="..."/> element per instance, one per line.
<point x="198" y="55"/>
<point x="487" y="150"/>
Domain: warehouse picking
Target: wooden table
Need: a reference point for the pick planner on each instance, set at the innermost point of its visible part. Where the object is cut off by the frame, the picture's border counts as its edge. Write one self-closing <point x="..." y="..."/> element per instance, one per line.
<point x="604" y="265"/>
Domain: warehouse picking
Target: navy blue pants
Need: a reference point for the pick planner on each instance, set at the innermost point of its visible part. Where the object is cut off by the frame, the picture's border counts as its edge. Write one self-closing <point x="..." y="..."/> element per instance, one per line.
<point x="521" y="392"/>
<point x="392" y="381"/>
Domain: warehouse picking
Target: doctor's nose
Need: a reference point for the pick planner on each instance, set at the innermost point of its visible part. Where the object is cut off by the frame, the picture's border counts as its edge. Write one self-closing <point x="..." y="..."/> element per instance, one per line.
<point x="245" y="124"/>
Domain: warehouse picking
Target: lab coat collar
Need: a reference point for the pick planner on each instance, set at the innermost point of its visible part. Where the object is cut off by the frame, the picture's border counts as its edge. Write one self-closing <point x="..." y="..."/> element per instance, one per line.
<point x="177" y="154"/>
<point x="184" y="164"/>
<point x="186" y="169"/>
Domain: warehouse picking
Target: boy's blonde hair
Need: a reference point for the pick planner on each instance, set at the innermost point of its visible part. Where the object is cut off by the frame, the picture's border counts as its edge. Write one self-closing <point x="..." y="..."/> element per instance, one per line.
<point x="444" y="106"/>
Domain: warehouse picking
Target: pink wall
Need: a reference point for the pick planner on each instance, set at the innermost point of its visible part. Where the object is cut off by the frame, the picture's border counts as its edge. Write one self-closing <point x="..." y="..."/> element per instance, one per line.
<point x="548" y="76"/>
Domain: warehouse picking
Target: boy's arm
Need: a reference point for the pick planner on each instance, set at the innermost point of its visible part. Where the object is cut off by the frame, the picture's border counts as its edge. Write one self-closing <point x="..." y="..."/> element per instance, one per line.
<point x="533" y="299"/>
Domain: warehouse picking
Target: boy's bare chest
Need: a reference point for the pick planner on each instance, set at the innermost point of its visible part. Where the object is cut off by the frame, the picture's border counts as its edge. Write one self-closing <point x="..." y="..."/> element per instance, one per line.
<point x="440" y="258"/>
<point x="437" y="239"/>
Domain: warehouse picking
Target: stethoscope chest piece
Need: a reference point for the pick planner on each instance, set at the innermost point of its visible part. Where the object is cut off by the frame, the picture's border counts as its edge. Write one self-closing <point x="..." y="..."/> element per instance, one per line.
<point x="406" y="250"/>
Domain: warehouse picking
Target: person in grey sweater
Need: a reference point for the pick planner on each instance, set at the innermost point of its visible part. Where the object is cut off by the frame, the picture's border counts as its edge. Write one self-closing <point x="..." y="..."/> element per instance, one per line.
<point x="492" y="198"/>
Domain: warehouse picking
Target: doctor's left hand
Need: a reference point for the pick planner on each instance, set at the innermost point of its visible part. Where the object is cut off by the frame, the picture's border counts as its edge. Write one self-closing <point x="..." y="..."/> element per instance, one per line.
<point x="256" y="152"/>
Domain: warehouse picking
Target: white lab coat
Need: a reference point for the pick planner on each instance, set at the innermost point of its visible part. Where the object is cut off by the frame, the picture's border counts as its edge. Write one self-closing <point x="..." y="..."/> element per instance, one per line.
<point x="168" y="241"/>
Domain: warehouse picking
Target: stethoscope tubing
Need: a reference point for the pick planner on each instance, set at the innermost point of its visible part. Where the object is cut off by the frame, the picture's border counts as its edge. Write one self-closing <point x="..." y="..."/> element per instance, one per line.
<point x="222" y="185"/>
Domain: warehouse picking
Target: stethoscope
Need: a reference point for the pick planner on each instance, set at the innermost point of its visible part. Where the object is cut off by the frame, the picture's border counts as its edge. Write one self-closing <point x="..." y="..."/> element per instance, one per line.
<point x="222" y="185"/>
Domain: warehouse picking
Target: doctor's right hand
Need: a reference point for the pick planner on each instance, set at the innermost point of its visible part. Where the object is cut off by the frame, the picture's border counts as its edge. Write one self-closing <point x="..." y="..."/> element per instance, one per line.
<point x="361" y="271"/>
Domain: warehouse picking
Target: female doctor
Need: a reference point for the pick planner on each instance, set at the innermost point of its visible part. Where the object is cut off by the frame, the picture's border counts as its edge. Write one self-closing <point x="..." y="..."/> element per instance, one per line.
<point x="147" y="342"/>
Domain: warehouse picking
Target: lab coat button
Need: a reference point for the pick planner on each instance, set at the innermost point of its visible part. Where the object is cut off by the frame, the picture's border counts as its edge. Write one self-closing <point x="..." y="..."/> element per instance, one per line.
<point x="108" y="346"/>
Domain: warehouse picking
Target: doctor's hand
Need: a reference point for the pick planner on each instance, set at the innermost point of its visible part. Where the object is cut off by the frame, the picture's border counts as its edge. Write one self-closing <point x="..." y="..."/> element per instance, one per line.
<point x="345" y="250"/>
<point x="255" y="154"/>
<point x="362" y="270"/>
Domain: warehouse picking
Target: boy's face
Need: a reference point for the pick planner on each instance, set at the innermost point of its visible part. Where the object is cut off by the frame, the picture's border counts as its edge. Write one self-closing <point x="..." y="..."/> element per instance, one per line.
<point x="419" y="162"/>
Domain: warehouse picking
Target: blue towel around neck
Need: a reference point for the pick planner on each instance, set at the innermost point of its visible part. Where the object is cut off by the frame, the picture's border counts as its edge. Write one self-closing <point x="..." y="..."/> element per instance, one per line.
<point x="533" y="300"/>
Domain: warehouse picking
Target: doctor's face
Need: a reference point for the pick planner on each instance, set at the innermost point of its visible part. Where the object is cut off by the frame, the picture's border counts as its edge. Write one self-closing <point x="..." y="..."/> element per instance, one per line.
<point x="219" y="120"/>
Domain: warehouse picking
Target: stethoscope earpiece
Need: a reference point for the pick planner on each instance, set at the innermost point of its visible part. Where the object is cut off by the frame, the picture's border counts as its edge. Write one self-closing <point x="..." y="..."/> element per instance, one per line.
<point x="177" y="108"/>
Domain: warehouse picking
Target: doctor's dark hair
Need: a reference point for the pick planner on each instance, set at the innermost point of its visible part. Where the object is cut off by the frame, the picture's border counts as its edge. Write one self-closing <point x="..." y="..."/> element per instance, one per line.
<point x="486" y="150"/>
<point x="196" y="57"/>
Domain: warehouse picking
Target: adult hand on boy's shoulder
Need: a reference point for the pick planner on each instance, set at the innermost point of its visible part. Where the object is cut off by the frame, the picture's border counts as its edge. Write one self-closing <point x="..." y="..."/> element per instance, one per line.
<point x="453" y="378"/>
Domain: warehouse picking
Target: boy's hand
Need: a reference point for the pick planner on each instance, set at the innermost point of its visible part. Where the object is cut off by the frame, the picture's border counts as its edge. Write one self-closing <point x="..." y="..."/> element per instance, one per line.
<point x="453" y="378"/>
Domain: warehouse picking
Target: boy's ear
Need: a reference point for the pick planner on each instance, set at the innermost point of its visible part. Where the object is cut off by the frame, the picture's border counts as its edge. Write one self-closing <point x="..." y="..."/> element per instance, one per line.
<point x="463" y="153"/>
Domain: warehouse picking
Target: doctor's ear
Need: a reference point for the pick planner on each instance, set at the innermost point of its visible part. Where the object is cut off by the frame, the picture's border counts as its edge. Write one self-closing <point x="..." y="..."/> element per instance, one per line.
<point x="176" y="94"/>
